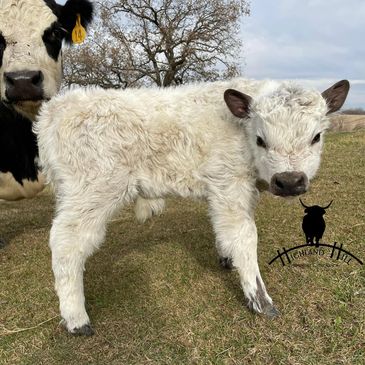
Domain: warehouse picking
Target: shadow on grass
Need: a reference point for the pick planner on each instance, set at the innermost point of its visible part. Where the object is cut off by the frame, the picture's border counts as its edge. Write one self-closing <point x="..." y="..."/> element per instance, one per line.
<point x="24" y="217"/>
<point x="135" y="258"/>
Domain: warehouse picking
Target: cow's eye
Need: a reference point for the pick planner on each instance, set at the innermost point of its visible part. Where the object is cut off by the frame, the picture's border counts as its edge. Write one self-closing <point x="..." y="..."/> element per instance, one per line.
<point x="52" y="38"/>
<point x="54" y="35"/>
<point x="316" y="139"/>
<point x="57" y="34"/>
<point x="260" y="142"/>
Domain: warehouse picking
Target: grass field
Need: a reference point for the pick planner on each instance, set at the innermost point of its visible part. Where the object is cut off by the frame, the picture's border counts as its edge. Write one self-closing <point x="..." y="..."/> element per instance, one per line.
<point x="156" y="294"/>
<point x="347" y="123"/>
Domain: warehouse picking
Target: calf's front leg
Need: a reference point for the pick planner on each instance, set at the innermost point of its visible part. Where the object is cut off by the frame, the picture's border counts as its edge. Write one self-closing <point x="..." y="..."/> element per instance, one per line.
<point x="232" y="217"/>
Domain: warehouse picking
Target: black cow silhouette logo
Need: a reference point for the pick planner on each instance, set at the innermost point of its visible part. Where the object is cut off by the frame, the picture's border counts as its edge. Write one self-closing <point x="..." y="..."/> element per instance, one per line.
<point x="313" y="223"/>
<point x="313" y="227"/>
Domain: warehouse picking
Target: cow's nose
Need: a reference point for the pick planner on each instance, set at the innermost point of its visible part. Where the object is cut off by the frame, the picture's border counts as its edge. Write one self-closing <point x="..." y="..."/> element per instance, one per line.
<point x="24" y="85"/>
<point x="289" y="183"/>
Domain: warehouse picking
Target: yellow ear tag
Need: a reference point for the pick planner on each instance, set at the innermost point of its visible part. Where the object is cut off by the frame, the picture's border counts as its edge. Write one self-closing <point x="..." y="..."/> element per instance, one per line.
<point x="79" y="32"/>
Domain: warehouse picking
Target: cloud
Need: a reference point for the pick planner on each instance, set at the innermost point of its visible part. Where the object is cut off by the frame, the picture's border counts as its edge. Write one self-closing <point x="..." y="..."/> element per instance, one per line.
<point x="277" y="57"/>
<point x="315" y="40"/>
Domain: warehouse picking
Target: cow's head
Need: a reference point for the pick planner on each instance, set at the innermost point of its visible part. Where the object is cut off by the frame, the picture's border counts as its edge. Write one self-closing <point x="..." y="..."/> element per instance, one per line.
<point x="31" y="35"/>
<point x="285" y="127"/>
<point x="315" y="210"/>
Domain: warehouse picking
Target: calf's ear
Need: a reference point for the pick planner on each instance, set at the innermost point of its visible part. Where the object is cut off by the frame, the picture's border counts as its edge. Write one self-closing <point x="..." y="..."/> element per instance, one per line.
<point x="68" y="15"/>
<point x="238" y="103"/>
<point x="336" y="95"/>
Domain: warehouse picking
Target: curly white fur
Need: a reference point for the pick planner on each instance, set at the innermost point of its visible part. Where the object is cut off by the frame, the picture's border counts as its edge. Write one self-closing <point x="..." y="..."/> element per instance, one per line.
<point x="103" y="149"/>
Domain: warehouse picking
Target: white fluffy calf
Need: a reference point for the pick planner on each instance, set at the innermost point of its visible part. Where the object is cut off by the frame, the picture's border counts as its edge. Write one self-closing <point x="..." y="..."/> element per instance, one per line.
<point x="103" y="149"/>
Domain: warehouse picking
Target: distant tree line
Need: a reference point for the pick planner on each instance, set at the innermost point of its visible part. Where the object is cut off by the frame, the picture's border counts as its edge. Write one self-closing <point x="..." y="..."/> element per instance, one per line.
<point x="354" y="111"/>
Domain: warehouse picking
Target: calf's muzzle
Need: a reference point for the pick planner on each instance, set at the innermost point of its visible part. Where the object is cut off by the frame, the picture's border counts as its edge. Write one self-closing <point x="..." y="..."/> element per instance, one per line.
<point x="289" y="183"/>
<point x="23" y="86"/>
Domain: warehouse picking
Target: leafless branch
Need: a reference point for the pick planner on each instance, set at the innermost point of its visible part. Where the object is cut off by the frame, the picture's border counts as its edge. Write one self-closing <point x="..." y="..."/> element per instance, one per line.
<point x="163" y="42"/>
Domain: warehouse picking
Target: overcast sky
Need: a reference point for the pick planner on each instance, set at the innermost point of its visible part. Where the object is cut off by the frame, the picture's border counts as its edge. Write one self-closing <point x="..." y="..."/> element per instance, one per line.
<point x="317" y="40"/>
<point x="320" y="41"/>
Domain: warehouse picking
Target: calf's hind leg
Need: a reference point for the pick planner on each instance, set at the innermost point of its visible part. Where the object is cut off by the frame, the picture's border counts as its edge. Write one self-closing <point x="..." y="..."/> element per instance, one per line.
<point x="76" y="232"/>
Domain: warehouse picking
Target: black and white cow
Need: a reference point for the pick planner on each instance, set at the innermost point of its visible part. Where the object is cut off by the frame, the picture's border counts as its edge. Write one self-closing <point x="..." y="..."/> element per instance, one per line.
<point x="31" y="36"/>
<point x="19" y="176"/>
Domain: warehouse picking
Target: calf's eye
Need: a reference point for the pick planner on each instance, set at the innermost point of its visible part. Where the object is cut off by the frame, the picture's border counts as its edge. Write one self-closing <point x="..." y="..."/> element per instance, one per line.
<point x="260" y="142"/>
<point x="316" y="139"/>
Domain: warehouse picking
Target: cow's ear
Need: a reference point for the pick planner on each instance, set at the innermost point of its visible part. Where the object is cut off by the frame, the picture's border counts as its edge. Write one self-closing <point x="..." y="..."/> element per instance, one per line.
<point x="68" y="15"/>
<point x="238" y="103"/>
<point x="336" y="95"/>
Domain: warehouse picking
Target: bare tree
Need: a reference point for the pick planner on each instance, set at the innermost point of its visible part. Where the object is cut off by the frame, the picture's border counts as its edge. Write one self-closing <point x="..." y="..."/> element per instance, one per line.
<point x="162" y="42"/>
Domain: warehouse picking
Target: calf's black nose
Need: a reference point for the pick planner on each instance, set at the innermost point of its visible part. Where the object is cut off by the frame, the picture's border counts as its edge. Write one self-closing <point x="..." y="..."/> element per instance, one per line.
<point x="289" y="183"/>
<point x="24" y="85"/>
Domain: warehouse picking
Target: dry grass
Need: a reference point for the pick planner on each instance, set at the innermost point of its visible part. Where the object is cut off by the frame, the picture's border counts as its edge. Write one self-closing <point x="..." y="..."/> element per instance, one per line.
<point x="347" y="123"/>
<point x="156" y="294"/>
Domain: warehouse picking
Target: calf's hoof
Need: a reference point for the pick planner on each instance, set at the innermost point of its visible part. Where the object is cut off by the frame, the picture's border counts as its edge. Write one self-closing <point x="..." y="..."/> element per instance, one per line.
<point x="85" y="330"/>
<point x="267" y="309"/>
<point x="226" y="263"/>
<point x="271" y="311"/>
<point x="260" y="302"/>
